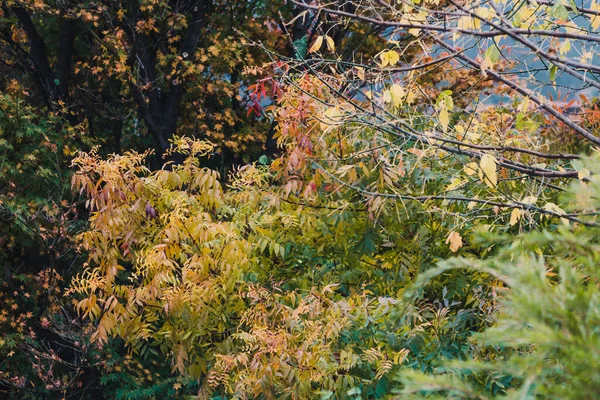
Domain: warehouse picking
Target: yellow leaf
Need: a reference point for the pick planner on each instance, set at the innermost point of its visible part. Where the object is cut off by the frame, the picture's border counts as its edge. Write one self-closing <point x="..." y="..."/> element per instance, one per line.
<point x="583" y="173"/>
<point x="397" y="94"/>
<point x="330" y="44"/>
<point x="417" y="19"/>
<point x="472" y="204"/>
<point x="387" y="96"/>
<point x="414" y="31"/>
<point x="465" y="22"/>
<point x="410" y="97"/>
<point x="515" y="215"/>
<point x="564" y="47"/>
<point x="595" y="23"/>
<point x="316" y="46"/>
<point x="485" y="13"/>
<point x="455" y="241"/>
<point x="557" y="210"/>
<point x="454" y="183"/>
<point x="393" y="57"/>
<point x="444" y="118"/>
<point x="470" y="168"/>
<point x="487" y="170"/>
<point x="332" y="116"/>
<point x="596" y="19"/>
<point x="360" y="72"/>
<point x="385" y="58"/>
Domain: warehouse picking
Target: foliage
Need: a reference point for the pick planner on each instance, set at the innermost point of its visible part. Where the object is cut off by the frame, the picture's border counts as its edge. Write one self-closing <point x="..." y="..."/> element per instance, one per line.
<point x="36" y="213"/>
<point x="206" y="277"/>
<point x="426" y="227"/>
<point x="546" y="333"/>
<point x="437" y="96"/>
<point x="45" y="351"/>
<point x="38" y="219"/>
<point x="134" y="73"/>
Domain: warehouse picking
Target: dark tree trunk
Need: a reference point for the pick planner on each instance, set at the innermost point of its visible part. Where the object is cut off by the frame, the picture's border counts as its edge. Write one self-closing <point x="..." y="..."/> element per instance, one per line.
<point x="37" y="51"/>
<point x="160" y="111"/>
<point x="54" y="84"/>
<point x="65" y="56"/>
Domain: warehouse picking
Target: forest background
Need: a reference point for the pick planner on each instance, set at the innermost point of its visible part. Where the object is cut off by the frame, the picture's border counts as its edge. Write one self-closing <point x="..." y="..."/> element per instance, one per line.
<point x="299" y="199"/>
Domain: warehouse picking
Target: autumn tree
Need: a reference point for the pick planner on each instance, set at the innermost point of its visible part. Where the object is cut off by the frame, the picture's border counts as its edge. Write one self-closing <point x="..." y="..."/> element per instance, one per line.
<point x="501" y="96"/>
<point x="124" y="75"/>
<point x="125" y="70"/>
<point x="250" y="290"/>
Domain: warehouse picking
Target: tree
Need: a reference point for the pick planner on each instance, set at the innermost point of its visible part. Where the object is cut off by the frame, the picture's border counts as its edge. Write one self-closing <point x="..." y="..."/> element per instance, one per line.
<point x="454" y="85"/>
<point x="125" y="70"/>
<point x="385" y="171"/>
<point x="253" y="289"/>
<point x="543" y="342"/>
<point x="74" y="75"/>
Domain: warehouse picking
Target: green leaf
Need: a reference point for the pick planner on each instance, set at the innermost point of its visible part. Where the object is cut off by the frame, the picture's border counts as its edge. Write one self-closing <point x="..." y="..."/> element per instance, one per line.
<point x="492" y="54"/>
<point x="353" y="391"/>
<point x="559" y="11"/>
<point x="577" y="164"/>
<point x="325" y="394"/>
<point x="552" y="72"/>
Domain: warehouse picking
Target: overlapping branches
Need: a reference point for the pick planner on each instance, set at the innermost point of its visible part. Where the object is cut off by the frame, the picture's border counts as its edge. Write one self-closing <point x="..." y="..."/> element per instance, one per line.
<point x="510" y="81"/>
<point x="444" y="24"/>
